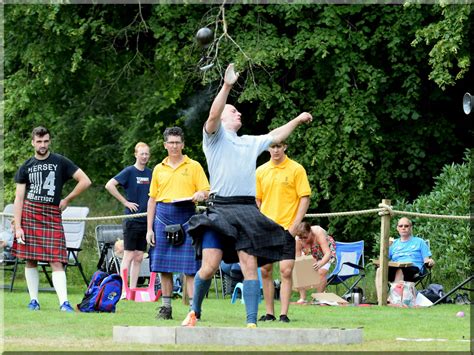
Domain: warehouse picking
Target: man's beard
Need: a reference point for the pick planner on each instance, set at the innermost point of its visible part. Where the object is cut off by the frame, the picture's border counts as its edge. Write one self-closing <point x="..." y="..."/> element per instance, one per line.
<point x="42" y="154"/>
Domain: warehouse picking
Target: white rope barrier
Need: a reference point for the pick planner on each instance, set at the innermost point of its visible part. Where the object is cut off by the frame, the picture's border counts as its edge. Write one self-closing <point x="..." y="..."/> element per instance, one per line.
<point x="381" y="211"/>
<point x="347" y="213"/>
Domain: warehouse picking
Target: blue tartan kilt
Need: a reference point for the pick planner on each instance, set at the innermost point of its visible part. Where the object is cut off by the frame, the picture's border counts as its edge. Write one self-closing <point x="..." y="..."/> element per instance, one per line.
<point x="165" y="257"/>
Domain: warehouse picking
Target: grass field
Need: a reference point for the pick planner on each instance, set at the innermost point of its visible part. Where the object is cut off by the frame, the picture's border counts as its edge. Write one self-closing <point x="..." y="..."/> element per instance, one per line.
<point x="51" y="330"/>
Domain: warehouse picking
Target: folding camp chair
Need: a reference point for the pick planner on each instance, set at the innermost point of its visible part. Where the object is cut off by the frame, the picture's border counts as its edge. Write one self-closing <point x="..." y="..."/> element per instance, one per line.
<point x="350" y="264"/>
<point x="13" y="262"/>
<point x="74" y="234"/>
<point x="423" y="278"/>
<point x="106" y="235"/>
<point x="219" y="276"/>
<point x="7" y="263"/>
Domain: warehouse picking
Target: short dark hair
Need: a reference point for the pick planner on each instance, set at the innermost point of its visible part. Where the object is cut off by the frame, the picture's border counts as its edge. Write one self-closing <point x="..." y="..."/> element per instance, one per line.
<point x="173" y="131"/>
<point x="39" y="131"/>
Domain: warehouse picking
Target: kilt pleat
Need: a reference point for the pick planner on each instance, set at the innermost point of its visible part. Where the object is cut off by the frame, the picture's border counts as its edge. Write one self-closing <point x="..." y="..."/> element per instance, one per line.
<point x="242" y="225"/>
<point x="165" y="257"/>
<point x="44" y="234"/>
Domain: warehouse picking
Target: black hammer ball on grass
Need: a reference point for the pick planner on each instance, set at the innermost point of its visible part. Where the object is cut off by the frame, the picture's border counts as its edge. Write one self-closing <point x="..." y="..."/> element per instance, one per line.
<point x="204" y="36"/>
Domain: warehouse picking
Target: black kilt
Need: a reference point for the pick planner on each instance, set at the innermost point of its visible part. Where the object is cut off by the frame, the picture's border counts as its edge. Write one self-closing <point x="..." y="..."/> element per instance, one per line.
<point x="241" y="226"/>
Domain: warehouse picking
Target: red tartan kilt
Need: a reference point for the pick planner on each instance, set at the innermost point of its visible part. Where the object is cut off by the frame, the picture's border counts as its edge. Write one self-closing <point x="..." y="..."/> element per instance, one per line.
<point x="44" y="234"/>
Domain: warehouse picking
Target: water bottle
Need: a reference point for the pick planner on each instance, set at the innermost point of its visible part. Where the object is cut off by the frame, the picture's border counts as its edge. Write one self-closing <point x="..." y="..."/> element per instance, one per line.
<point x="356" y="296"/>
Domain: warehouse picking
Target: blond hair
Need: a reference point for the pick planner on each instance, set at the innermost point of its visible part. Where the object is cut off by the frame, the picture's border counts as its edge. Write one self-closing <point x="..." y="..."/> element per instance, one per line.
<point x="140" y="145"/>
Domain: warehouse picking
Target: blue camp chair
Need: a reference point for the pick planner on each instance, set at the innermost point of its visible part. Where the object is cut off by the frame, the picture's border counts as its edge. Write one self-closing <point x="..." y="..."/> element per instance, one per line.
<point x="350" y="264"/>
<point x="239" y="290"/>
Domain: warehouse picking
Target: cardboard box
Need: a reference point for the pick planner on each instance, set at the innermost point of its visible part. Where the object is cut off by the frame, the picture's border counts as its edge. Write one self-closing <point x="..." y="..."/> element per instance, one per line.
<point x="393" y="263"/>
<point x="303" y="273"/>
<point x="328" y="298"/>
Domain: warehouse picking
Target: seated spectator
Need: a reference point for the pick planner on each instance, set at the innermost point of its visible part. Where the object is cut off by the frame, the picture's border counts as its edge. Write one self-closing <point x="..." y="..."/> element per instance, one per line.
<point x="119" y="249"/>
<point x="314" y="240"/>
<point x="232" y="274"/>
<point x="6" y="242"/>
<point x="408" y="249"/>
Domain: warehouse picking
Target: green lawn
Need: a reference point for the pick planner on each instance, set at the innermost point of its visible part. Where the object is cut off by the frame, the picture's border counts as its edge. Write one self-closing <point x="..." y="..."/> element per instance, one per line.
<point x="49" y="329"/>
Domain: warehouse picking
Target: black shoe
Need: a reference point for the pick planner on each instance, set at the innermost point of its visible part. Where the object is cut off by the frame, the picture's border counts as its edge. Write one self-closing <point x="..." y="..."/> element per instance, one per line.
<point x="284" y="318"/>
<point x="164" y="313"/>
<point x="267" y="317"/>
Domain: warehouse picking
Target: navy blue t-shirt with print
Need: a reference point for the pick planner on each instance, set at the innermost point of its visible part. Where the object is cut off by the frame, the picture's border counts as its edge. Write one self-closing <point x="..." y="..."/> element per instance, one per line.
<point x="136" y="184"/>
<point x="45" y="179"/>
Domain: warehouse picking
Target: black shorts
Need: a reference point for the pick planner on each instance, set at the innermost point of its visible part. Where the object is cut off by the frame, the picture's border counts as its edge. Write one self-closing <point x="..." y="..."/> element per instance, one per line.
<point x="289" y="249"/>
<point x="409" y="272"/>
<point x="134" y="235"/>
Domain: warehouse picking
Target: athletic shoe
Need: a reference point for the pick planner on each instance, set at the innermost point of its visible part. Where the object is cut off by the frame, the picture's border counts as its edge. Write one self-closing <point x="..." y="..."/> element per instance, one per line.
<point x="66" y="307"/>
<point x="301" y="301"/>
<point x="190" y="320"/>
<point x="267" y="317"/>
<point x="164" y="313"/>
<point x="34" y="305"/>
<point x="251" y="325"/>
<point x="284" y="318"/>
<point x="123" y="296"/>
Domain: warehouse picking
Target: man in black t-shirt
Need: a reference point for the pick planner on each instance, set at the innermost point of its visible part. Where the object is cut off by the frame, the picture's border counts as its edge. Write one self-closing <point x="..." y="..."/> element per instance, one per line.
<point x="39" y="234"/>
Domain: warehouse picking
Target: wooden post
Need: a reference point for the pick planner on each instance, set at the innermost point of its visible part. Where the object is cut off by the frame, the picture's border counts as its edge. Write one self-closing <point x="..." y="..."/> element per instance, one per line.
<point x="184" y="289"/>
<point x="384" y="238"/>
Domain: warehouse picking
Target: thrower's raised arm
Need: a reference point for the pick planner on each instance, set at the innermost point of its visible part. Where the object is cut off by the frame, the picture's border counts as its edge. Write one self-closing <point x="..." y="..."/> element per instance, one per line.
<point x="281" y="133"/>
<point x="214" y="119"/>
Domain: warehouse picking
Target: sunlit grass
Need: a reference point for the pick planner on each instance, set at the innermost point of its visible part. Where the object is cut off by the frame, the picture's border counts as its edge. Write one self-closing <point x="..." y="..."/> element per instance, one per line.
<point x="51" y="330"/>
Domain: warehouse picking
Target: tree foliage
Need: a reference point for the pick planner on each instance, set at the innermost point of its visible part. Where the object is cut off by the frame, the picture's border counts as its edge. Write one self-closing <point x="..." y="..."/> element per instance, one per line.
<point x="383" y="83"/>
<point x="450" y="240"/>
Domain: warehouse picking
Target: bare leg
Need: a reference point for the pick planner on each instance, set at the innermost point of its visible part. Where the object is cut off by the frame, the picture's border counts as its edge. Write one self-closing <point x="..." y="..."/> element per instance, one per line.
<point x="286" y="269"/>
<point x="211" y="259"/>
<point x="268" y="288"/>
<point x="167" y="284"/>
<point x="302" y="292"/>
<point x="399" y="275"/>
<point x="189" y="285"/>
<point x="126" y="263"/>
<point x="322" y="285"/>
<point x="137" y="258"/>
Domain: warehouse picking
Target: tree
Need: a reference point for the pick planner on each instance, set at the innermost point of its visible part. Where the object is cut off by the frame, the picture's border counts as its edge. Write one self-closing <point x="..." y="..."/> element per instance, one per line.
<point x="103" y="77"/>
<point x="450" y="240"/>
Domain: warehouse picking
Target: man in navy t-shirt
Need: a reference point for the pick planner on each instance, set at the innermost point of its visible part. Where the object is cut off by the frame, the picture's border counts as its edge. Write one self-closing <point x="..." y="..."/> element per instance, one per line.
<point x="135" y="180"/>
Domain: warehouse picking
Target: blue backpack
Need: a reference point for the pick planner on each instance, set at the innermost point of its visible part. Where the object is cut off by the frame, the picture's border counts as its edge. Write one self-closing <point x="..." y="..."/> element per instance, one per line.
<point x="102" y="294"/>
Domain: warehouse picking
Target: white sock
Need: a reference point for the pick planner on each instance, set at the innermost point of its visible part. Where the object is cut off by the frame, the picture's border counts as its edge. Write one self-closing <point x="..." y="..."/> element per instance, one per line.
<point x="60" y="285"/>
<point x="32" y="281"/>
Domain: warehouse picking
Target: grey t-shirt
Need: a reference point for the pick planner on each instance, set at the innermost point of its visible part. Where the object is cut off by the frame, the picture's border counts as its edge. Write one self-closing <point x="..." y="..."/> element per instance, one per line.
<point x="232" y="161"/>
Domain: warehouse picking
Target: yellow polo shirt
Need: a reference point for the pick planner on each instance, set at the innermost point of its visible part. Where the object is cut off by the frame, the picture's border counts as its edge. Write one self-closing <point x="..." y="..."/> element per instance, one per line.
<point x="168" y="184"/>
<point x="280" y="188"/>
